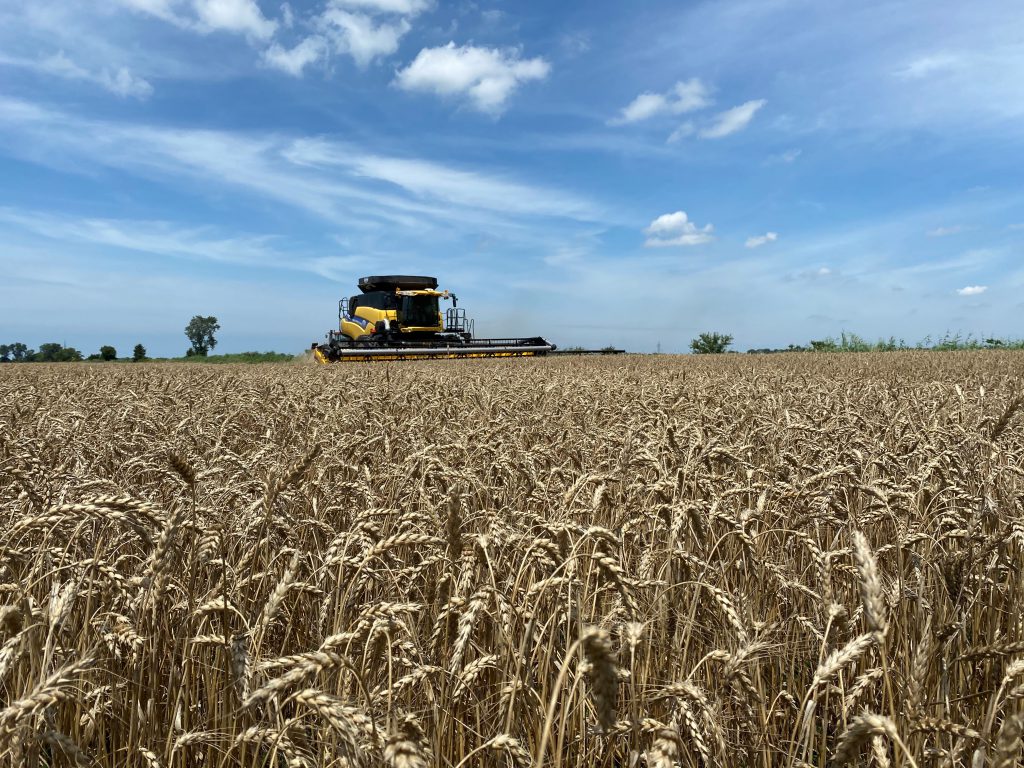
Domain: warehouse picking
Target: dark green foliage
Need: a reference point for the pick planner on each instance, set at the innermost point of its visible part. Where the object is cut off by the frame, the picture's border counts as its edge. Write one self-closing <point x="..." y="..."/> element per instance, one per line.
<point x="711" y="343"/>
<point x="138" y="354"/>
<point x="200" y="331"/>
<point x="56" y="353"/>
<point x="107" y="352"/>
<point x="15" y="353"/>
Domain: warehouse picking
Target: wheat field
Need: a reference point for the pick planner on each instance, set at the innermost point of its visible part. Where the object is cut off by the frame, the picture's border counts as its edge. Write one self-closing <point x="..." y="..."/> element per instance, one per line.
<point x="639" y="561"/>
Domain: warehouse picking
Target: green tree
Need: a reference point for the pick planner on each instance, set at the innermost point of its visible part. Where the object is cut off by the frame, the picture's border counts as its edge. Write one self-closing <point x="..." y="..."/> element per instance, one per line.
<point x="5" y="353"/>
<point x="18" y="352"/>
<point x="138" y="354"/>
<point x="200" y="332"/>
<point x="711" y="343"/>
<point x="107" y="352"/>
<point x="56" y="353"/>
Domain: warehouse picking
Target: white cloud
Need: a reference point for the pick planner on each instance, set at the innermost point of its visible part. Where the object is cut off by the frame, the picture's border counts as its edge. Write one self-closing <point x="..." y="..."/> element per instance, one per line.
<point x="454" y="186"/>
<point x="162" y="9"/>
<point x="357" y="35"/>
<point x="972" y="290"/>
<point x="340" y="183"/>
<point x="924" y="66"/>
<point x="295" y="60"/>
<point x="401" y="7"/>
<point x="784" y="158"/>
<point x="674" y="229"/>
<point x="758" y="240"/>
<point x="945" y="231"/>
<point x="682" y="132"/>
<point x="732" y="120"/>
<point x="485" y="76"/>
<point x="685" y="96"/>
<point x="119" y="81"/>
<point x="162" y="238"/>
<point x="124" y="83"/>
<point x="240" y="16"/>
<point x="813" y="274"/>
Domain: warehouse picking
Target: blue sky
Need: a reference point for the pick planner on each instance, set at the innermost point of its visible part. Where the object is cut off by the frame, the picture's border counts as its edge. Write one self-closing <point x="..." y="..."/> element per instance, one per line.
<point x="600" y="172"/>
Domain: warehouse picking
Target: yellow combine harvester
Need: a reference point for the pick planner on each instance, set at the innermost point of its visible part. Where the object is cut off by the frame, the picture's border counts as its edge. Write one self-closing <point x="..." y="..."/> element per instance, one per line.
<point x="398" y="317"/>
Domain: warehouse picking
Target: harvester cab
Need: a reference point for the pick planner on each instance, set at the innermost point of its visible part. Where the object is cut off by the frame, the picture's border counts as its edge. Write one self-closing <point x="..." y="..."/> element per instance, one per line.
<point x="398" y="317"/>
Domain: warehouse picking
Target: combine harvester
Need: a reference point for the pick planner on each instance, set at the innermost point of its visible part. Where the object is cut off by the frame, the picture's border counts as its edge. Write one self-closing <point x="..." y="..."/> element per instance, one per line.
<point x="398" y="317"/>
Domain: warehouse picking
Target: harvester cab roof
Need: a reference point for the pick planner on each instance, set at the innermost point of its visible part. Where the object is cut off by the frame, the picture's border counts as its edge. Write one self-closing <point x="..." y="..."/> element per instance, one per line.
<point x="393" y="283"/>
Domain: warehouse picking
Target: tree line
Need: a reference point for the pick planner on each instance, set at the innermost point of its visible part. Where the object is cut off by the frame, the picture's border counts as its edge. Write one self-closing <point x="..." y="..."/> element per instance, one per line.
<point x="57" y="353"/>
<point x="200" y="332"/>
<point x="717" y="343"/>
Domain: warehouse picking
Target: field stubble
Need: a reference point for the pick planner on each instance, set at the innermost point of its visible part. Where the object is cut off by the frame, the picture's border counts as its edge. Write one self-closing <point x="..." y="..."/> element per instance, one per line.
<point x="617" y="562"/>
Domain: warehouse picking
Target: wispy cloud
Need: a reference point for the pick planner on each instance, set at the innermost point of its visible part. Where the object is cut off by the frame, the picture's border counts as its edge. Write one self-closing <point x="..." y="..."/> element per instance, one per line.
<point x="676" y="229"/>
<point x="207" y="16"/>
<point x="815" y="274"/>
<point x="120" y="81"/>
<point x="433" y="181"/>
<point x="758" y="240"/>
<point x="784" y="158"/>
<point x="485" y="77"/>
<point x="682" y="132"/>
<point x="401" y="7"/>
<point x="945" y="231"/>
<point x="342" y="183"/>
<point x="169" y="239"/>
<point x="924" y="66"/>
<point x="732" y="120"/>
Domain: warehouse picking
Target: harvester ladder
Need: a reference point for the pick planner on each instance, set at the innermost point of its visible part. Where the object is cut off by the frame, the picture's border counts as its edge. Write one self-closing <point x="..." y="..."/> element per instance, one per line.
<point x="455" y="320"/>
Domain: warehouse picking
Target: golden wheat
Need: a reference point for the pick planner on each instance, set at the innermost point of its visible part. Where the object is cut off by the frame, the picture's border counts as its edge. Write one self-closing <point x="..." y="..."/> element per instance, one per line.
<point x="661" y="562"/>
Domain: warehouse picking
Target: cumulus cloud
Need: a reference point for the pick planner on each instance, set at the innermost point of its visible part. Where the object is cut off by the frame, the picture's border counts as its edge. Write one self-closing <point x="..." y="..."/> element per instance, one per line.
<point x="972" y="290"/>
<point x="487" y="77"/>
<point x="240" y="16"/>
<point x="360" y="37"/>
<point x="945" y="231"/>
<point x="685" y="96"/>
<point x="732" y="120"/>
<point x="294" y="60"/>
<point x="758" y="240"/>
<point x="366" y="30"/>
<point x="675" y="229"/>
